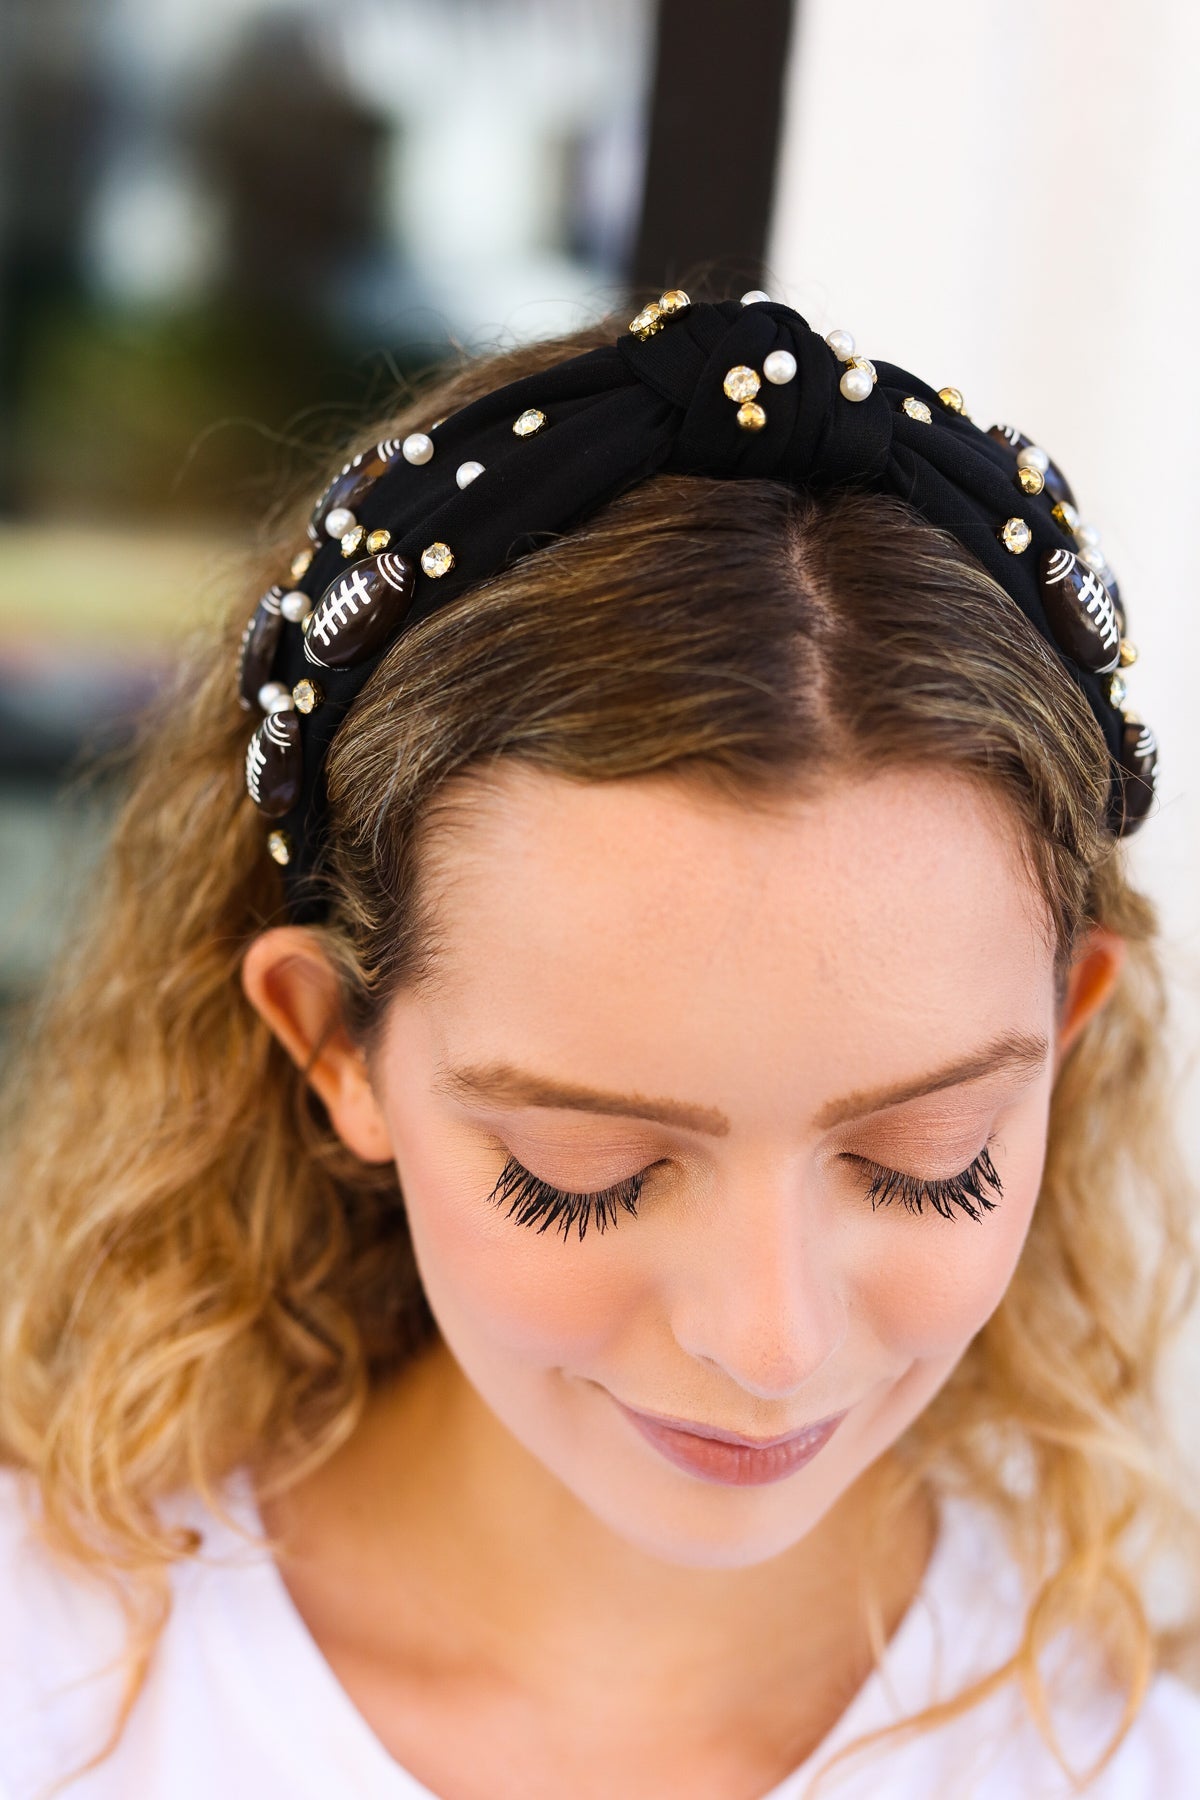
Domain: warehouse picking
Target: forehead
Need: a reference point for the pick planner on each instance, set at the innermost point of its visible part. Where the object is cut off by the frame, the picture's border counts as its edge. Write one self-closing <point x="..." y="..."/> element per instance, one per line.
<point x="652" y="930"/>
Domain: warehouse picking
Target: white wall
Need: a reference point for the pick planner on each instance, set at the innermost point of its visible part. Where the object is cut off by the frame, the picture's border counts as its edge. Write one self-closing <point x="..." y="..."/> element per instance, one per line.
<point x="1007" y="198"/>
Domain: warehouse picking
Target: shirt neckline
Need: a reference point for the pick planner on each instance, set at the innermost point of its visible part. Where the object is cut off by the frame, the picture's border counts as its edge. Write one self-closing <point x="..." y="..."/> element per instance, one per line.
<point x="288" y="1654"/>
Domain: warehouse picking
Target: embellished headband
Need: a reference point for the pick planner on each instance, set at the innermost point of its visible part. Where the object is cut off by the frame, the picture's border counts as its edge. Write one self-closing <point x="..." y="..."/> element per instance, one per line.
<point x="737" y="389"/>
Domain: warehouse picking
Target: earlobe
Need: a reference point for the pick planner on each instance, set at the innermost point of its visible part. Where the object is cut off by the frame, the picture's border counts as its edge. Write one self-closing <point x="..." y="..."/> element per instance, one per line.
<point x="1091" y="981"/>
<point x="292" y="985"/>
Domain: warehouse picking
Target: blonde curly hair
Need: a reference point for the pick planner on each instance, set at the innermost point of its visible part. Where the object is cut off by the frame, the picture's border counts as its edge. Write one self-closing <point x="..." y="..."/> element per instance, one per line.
<point x="195" y="1272"/>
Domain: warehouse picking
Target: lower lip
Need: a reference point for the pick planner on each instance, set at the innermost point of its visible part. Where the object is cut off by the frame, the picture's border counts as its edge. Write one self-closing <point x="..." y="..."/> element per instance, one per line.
<point x="734" y="1465"/>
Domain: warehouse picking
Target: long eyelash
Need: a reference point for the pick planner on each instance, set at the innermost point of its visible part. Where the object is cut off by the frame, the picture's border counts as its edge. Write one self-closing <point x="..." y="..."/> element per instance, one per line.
<point x="965" y="1191"/>
<point x="531" y="1199"/>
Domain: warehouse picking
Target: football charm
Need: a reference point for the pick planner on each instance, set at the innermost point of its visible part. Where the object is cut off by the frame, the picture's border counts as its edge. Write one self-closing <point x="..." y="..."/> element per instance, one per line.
<point x="1139" y="769"/>
<point x="274" y="764"/>
<point x="1081" y="611"/>
<point x="358" y="614"/>
<point x="348" y="487"/>
<point x="259" y="641"/>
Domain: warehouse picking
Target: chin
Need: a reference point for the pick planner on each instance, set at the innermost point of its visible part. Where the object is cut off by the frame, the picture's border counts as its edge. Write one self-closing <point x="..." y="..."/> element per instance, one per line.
<point x="698" y="1524"/>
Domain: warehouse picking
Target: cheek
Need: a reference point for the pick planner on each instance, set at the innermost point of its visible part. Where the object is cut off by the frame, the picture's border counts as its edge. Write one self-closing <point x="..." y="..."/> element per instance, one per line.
<point x="937" y="1281"/>
<point x="531" y="1295"/>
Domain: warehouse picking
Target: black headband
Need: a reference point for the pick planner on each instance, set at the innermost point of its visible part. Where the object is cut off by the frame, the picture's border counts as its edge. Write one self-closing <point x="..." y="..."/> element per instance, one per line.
<point x="728" y="389"/>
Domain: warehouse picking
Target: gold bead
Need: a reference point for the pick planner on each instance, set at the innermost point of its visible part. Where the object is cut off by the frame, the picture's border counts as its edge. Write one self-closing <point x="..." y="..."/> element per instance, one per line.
<point x="1129" y="653"/>
<point x="437" y="559"/>
<point x="951" y="398"/>
<point x="741" y="382"/>
<point x="280" y="846"/>
<point x="648" y="321"/>
<point x="673" y="301"/>
<point x="301" y="563"/>
<point x="917" y="409"/>
<point x="1031" y="481"/>
<point x="1016" y="535"/>
<point x="307" y="695"/>
<point x="377" y="541"/>
<point x="531" y="420"/>
<point x="750" y="416"/>
<point x="352" y="539"/>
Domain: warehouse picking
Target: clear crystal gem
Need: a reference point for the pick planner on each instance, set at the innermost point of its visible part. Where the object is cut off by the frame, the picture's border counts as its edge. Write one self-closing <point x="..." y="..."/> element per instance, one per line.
<point x="648" y="320"/>
<point x="352" y="539"/>
<point x="742" y="382"/>
<point x="301" y="563"/>
<point x="307" y="695"/>
<point x="1016" y="535"/>
<point x="437" y="559"/>
<point x="279" y="843"/>
<point x="531" y="420"/>
<point x="917" y="409"/>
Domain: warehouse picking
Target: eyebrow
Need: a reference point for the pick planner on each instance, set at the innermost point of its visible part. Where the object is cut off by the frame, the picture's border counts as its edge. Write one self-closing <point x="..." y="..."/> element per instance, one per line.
<point x="505" y="1085"/>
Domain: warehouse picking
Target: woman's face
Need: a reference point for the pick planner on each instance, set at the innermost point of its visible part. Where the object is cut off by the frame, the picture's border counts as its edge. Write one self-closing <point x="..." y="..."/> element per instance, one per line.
<point x="751" y="1016"/>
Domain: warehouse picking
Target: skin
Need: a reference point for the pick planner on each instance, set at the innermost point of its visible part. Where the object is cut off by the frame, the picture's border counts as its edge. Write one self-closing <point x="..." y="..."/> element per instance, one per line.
<point x="495" y="1542"/>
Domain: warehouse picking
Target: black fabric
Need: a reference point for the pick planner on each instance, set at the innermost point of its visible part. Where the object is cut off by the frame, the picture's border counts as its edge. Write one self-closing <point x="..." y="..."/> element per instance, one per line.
<point x="620" y="413"/>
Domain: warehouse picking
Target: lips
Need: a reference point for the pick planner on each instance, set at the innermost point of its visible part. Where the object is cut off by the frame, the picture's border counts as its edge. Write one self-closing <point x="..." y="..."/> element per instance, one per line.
<point x="726" y="1456"/>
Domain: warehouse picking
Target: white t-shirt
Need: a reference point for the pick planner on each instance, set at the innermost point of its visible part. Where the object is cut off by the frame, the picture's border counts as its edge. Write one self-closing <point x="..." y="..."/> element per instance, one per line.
<point x="240" y="1704"/>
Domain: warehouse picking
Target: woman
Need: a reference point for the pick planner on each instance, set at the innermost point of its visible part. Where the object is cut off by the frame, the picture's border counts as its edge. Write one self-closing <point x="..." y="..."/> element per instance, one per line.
<point x="630" y="1254"/>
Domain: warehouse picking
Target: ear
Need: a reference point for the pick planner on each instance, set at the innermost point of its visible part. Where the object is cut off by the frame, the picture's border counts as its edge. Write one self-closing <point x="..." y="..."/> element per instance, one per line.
<point x="1090" y="982"/>
<point x="290" y="982"/>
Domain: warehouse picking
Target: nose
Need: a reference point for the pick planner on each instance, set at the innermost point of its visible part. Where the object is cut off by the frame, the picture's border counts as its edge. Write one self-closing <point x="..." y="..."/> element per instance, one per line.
<point x="756" y="1290"/>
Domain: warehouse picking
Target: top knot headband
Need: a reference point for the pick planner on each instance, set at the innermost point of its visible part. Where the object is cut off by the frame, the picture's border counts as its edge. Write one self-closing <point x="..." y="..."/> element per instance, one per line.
<point x="727" y="388"/>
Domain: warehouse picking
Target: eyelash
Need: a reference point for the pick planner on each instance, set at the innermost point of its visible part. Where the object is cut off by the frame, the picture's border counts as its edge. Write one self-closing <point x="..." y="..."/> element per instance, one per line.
<point x="531" y="1199"/>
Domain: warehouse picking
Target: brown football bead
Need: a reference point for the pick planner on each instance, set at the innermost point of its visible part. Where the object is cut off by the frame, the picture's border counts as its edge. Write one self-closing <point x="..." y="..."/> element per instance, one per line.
<point x="274" y="764"/>
<point x="259" y="642"/>
<point x="359" y="612"/>
<point x="1080" y="610"/>
<point x="1057" y="485"/>
<point x="1139" y="771"/>
<point x="348" y="487"/>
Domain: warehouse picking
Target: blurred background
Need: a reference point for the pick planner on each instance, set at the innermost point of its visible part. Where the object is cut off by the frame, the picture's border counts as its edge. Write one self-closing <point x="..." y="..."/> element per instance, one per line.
<point x="225" y="228"/>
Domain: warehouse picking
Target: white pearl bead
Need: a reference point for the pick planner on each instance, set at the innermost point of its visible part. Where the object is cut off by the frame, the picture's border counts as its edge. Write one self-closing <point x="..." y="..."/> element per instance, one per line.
<point x="779" y="366"/>
<point x="856" y="384"/>
<point x="1033" y="457"/>
<point x="417" y="447"/>
<point x="1094" y="557"/>
<point x="295" y="606"/>
<point x="841" y="343"/>
<point x="274" y="697"/>
<point x="1086" y="534"/>
<point x="340" y="521"/>
<point x="754" y="294"/>
<point x="466" y="473"/>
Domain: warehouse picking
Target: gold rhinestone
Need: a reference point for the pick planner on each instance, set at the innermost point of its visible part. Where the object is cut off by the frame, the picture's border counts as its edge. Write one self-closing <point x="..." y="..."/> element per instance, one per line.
<point x="1116" y="689"/>
<point x="352" y="539"/>
<point x="1016" y="535"/>
<point x="917" y="409"/>
<point x="751" y="416"/>
<point x="1032" y="481"/>
<point x="377" y="541"/>
<point x="1129" y="653"/>
<point x="673" y="301"/>
<point x="648" y="321"/>
<point x="741" y="383"/>
<point x="951" y="398"/>
<point x="280" y="846"/>
<point x="437" y="559"/>
<point x="531" y="420"/>
<point x="307" y="695"/>
<point x="301" y="563"/>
